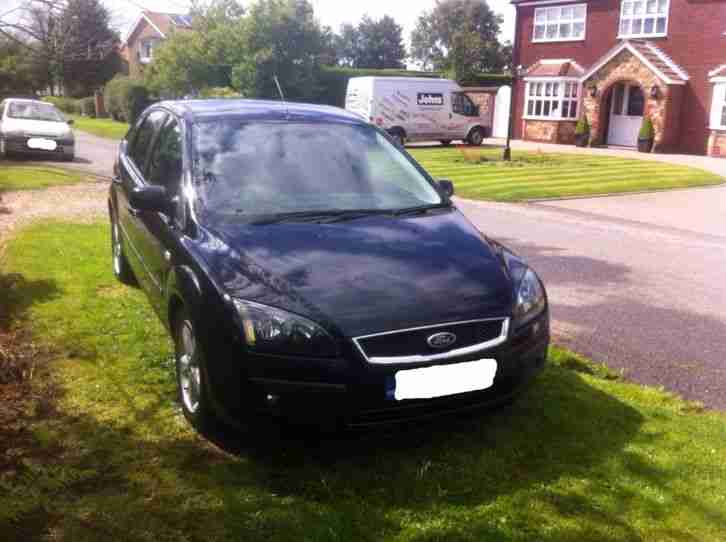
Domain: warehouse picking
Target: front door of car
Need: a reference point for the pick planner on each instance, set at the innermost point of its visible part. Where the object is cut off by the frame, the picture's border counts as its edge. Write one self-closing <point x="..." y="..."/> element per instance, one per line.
<point x="132" y="165"/>
<point x="159" y="233"/>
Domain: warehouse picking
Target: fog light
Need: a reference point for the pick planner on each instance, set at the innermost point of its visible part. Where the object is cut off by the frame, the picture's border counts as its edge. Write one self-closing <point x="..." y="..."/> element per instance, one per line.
<point x="272" y="399"/>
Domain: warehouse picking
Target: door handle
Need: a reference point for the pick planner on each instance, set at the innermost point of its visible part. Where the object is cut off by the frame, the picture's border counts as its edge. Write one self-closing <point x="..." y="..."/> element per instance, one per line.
<point x="132" y="211"/>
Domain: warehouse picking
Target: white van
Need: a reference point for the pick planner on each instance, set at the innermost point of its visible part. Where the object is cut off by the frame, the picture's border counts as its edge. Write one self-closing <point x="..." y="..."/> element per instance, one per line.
<point x="416" y="108"/>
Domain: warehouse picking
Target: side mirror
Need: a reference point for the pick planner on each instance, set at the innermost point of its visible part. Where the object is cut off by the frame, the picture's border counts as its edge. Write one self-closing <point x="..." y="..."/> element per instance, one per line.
<point x="447" y="187"/>
<point x="70" y="122"/>
<point x="149" y="198"/>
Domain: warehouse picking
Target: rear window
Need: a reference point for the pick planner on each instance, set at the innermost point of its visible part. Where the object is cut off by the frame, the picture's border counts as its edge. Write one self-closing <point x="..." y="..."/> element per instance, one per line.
<point x="34" y="111"/>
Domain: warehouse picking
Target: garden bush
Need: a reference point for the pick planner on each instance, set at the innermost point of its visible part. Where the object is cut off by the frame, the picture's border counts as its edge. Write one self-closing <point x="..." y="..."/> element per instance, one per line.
<point x="220" y="92"/>
<point x="67" y="105"/>
<point x="88" y="107"/>
<point x="646" y="129"/>
<point x="125" y="98"/>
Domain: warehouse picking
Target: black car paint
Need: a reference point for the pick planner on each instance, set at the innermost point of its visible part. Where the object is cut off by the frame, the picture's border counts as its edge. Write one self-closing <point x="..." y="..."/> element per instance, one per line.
<point x="352" y="277"/>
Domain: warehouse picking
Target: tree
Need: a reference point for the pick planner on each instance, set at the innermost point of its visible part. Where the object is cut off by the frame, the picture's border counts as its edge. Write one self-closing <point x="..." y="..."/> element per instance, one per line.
<point x="372" y="44"/>
<point x="18" y="74"/>
<point x="189" y="62"/>
<point x="460" y="37"/>
<point x="71" y="41"/>
<point x="283" y="39"/>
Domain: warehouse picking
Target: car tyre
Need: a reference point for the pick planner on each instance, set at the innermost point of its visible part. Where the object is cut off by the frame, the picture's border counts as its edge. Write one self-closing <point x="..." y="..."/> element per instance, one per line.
<point x="121" y="268"/>
<point x="476" y="137"/>
<point x="69" y="157"/>
<point x="190" y="374"/>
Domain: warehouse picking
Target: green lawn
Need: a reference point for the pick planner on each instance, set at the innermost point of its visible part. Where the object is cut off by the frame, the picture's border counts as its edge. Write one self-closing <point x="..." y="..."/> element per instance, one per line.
<point x="581" y="457"/>
<point x="108" y="128"/>
<point x="33" y="177"/>
<point x="479" y="173"/>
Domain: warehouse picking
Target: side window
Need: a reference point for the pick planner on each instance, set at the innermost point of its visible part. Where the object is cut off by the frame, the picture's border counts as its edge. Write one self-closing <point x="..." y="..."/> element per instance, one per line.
<point x="461" y="104"/>
<point x="165" y="167"/>
<point x="143" y="137"/>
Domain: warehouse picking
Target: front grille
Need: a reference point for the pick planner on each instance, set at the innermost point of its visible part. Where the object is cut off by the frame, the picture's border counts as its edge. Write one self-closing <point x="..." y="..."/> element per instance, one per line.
<point x="412" y="345"/>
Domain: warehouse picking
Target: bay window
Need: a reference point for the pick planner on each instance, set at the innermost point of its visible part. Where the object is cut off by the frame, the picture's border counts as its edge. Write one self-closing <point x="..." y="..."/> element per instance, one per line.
<point x="718" y="106"/>
<point x="643" y="18"/>
<point x="552" y="99"/>
<point x="560" y="23"/>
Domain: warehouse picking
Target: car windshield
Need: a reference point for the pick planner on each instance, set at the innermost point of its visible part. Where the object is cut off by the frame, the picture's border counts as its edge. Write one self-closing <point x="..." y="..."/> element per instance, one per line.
<point x="276" y="168"/>
<point x="34" y="111"/>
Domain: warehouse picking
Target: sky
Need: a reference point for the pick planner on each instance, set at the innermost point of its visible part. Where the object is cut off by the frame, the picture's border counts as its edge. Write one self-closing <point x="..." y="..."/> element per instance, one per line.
<point x="330" y="12"/>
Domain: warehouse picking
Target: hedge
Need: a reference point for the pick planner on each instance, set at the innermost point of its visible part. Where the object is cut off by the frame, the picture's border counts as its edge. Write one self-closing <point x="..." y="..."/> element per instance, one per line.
<point x="334" y="80"/>
<point x="67" y="105"/>
<point x="125" y="98"/>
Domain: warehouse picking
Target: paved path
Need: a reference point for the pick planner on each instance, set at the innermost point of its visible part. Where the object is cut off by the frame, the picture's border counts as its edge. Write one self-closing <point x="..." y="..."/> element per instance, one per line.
<point x="634" y="281"/>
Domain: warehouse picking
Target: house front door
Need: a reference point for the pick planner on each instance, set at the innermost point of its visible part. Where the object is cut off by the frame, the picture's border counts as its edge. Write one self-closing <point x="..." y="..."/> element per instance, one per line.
<point x="626" y="114"/>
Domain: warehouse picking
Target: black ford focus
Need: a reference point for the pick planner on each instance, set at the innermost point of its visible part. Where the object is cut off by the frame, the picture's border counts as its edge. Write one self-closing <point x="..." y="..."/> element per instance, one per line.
<point x="307" y="267"/>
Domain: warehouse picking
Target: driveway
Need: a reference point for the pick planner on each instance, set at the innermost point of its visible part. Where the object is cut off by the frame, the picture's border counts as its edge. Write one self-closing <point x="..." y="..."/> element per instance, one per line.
<point x="94" y="154"/>
<point x="634" y="281"/>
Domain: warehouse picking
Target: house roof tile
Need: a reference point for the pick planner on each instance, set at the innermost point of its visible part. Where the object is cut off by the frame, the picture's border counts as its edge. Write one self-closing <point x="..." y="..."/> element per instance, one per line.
<point x="555" y="68"/>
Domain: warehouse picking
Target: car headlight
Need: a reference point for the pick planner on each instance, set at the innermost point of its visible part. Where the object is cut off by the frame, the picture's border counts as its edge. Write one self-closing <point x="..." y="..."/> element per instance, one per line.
<point x="531" y="299"/>
<point x="275" y="331"/>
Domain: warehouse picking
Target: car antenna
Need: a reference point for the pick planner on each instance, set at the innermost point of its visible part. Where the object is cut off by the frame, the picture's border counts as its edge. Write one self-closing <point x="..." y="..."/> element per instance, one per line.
<point x="282" y="97"/>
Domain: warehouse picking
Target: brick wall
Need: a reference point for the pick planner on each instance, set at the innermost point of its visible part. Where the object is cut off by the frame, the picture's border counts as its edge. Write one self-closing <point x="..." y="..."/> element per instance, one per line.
<point x="695" y="41"/>
<point x="143" y="31"/>
<point x="550" y="131"/>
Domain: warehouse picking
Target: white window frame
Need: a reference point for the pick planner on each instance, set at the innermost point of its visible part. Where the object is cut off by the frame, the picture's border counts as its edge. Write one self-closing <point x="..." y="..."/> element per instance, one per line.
<point x="551" y="19"/>
<point x="552" y="90"/>
<point x="643" y="16"/>
<point x="152" y="43"/>
<point x="718" y="104"/>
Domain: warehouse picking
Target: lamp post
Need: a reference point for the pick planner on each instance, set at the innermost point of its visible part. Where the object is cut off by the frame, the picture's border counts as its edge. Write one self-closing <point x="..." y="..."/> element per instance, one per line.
<point x="507" y="156"/>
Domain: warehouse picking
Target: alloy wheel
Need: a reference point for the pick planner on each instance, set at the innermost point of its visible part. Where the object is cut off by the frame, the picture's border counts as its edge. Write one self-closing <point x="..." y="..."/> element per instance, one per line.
<point x="189" y="370"/>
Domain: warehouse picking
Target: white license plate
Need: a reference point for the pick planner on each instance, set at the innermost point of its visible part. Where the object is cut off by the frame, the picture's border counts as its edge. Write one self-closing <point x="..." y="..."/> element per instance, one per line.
<point x="40" y="143"/>
<point x="442" y="380"/>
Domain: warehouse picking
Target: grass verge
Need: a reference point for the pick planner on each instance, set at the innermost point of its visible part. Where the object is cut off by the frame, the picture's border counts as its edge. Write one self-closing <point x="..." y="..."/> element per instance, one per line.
<point x="32" y="177"/>
<point x="107" y="128"/>
<point x="582" y="456"/>
<point x="480" y="173"/>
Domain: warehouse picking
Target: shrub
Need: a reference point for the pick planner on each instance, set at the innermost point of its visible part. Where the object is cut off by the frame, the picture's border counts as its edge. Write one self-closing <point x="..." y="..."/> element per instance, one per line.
<point x="125" y="98"/>
<point x="88" y="107"/>
<point x="220" y="92"/>
<point x="646" y="129"/>
<point x="67" y="105"/>
<point x="583" y="127"/>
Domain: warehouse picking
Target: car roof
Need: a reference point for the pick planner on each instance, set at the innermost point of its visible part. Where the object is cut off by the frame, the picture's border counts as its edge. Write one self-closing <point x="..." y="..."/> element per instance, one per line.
<point x="245" y="109"/>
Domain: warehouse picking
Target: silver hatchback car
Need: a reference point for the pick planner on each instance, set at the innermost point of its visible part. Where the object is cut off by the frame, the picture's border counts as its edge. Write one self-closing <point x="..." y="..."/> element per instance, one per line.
<point x="35" y="127"/>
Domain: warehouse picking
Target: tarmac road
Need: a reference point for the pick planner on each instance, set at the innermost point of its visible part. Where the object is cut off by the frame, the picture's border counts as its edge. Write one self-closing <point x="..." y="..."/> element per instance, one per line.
<point x="638" y="282"/>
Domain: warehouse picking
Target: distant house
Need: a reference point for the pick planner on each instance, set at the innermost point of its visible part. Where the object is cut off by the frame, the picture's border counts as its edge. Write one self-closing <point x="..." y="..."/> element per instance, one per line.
<point x="616" y="61"/>
<point x="150" y="29"/>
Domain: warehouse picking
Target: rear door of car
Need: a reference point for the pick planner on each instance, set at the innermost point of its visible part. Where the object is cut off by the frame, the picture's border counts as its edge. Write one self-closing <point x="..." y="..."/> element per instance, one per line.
<point x="132" y="166"/>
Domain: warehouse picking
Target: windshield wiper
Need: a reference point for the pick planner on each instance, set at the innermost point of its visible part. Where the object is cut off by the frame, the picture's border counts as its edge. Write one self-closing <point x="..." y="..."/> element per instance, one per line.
<point x="318" y="216"/>
<point x="420" y="210"/>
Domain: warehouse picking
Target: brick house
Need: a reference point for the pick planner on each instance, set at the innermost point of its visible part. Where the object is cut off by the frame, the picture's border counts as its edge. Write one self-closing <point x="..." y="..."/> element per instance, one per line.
<point x="615" y="61"/>
<point x="149" y="30"/>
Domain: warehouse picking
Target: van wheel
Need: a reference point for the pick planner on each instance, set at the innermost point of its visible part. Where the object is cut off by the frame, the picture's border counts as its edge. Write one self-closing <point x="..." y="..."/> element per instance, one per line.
<point x="446" y="142"/>
<point x="476" y="137"/>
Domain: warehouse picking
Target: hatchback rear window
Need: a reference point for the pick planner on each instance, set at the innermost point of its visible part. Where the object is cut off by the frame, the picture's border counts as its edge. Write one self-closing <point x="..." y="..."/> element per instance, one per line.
<point x="34" y="111"/>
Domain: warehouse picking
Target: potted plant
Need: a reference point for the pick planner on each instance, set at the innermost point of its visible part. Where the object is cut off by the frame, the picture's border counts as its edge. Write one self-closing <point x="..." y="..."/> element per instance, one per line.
<point x="646" y="136"/>
<point x="582" y="132"/>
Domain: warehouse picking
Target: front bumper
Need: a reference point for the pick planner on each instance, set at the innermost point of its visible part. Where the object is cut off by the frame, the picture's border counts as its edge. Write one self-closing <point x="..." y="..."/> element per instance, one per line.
<point x="19" y="145"/>
<point x="354" y="393"/>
